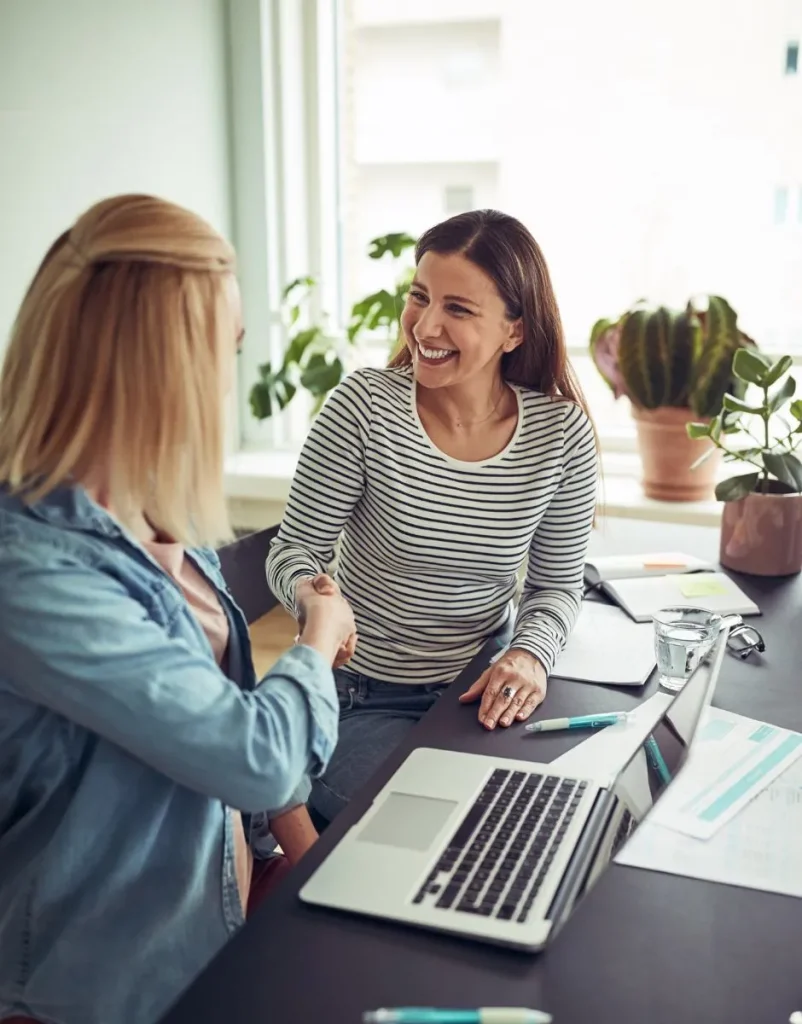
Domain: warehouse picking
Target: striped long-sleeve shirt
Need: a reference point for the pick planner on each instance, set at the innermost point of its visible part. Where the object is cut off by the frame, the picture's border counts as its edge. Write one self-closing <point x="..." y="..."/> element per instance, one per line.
<point x="432" y="546"/>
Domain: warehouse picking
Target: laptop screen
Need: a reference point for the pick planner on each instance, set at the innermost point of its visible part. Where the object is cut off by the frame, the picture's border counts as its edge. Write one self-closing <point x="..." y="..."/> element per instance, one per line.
<point x="654" y="764"/>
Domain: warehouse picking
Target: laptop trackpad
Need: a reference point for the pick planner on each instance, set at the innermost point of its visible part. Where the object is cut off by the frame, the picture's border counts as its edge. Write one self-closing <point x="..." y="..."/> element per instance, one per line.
<point x="411" y="822"/>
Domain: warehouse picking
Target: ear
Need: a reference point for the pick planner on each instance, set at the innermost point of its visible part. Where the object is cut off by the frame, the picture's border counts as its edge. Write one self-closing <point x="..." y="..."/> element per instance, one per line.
<point x="516" y="335"/>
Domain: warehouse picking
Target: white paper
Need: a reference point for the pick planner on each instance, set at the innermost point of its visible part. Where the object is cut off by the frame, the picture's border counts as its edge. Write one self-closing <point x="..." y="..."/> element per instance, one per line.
<point x="733" y="760"/>
<point x="761" y="848"/>
<point x="606" y="646"/>
<point x="604" y="753"/>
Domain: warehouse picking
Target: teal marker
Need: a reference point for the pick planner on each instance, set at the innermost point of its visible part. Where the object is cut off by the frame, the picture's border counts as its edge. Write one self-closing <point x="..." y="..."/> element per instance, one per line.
<point x="656" y="760"/>
<point x="429" y="1015"/>
<point x="578" y="722"/>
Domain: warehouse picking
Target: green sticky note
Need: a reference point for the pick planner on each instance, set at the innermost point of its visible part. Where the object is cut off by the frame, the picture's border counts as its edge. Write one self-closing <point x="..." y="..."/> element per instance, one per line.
<point x="702" y="586"/>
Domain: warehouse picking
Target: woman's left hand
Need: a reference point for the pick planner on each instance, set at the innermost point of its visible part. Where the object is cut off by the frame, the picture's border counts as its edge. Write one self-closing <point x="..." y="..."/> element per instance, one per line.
<point x="510" y="690"/>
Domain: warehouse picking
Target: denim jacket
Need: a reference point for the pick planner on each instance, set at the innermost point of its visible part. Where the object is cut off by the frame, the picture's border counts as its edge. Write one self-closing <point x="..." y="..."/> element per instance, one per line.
<point x="123" y="747"/>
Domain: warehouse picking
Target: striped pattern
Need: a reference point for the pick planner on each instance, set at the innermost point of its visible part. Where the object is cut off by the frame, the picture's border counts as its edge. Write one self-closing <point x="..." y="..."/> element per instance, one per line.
<point x="431" y="547"/>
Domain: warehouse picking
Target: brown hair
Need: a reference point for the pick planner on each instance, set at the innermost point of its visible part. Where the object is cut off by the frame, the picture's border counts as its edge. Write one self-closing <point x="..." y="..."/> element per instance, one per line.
<point x="506" y="251"/>
<point x="115" y="361"/>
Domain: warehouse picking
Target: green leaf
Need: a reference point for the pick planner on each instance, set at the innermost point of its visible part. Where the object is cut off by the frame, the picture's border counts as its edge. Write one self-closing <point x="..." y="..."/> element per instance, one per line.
<point x="795" y="408"/>
<point x="733" y="404"/>
<point x="782" y="394"/>
<point x="777" y="370"/>
<point x="261" y="401"/>
<point x="698" y="430"/>
<point x="298" y="346"/>
<point x="395" y="244"/>
<point x="273" y="391"/>
<point x="749" y="367"/>
<point x="300" y="282"/>
<point x="736" y="487"/>
<point x="731" y="422"/>
<point x="785" y="467"/>
<point x="320" y="375"/>
<point x="715" y="427"/>
<point x="381" y="309"/>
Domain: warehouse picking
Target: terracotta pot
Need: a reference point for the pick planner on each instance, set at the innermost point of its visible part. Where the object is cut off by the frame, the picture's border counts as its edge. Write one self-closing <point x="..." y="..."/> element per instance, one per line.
<point x="667" y="454"/>
<point x="762" y="534"/>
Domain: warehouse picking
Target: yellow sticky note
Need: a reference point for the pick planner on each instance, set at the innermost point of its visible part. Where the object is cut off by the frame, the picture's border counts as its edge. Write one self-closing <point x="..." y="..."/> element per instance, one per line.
<point x="703" y="585"/>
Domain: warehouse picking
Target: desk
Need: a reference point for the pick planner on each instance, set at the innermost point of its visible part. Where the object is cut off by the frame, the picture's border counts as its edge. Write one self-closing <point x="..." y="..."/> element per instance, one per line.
<point x="643" y="947"/>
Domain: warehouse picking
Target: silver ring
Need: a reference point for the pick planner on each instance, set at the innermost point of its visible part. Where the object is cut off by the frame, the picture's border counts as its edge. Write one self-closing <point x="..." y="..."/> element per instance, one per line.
<point x="508" y="692"/>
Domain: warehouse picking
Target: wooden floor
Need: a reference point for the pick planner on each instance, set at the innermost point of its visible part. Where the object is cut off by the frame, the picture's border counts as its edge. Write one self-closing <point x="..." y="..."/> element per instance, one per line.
<point x="271" y="636"/>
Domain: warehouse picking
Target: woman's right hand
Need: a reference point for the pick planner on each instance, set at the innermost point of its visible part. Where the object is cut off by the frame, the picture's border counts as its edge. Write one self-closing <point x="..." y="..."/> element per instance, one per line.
<point x="325" y="619"/>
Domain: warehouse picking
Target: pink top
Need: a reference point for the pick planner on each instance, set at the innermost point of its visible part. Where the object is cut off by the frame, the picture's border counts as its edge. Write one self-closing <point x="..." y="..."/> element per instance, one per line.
<point x="204" y="602"/>
<point x="199" y="594"/>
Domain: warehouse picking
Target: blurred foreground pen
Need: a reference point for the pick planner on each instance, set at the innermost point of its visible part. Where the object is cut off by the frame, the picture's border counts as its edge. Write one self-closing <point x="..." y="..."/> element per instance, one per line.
<point x="430" y="1015"/>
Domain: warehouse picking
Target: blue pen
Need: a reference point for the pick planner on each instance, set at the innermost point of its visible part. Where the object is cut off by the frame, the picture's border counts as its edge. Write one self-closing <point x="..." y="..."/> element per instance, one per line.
<point x="484" y="1015"/>
<point x="656" y="760"/>
<point x="578" y="722"/>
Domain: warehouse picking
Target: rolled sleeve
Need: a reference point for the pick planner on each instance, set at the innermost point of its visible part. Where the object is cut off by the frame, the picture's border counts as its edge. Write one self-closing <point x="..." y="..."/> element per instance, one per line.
<point x="314" y="678"/>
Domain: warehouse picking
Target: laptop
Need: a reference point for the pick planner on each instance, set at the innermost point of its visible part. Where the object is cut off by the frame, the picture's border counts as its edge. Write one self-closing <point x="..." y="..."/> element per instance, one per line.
<point x="502" y="850"/>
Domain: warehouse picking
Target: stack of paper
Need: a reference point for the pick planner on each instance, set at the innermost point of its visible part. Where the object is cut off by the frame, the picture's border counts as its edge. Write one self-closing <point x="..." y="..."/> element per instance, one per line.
<point x="734" y="814"/>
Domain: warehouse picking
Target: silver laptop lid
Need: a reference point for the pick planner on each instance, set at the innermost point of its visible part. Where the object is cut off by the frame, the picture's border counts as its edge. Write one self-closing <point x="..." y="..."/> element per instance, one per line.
<point x="641" y="782"/>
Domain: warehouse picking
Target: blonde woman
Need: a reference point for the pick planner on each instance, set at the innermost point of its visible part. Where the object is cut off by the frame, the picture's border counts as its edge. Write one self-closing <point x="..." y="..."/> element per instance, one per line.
<point x="133" y="731"/>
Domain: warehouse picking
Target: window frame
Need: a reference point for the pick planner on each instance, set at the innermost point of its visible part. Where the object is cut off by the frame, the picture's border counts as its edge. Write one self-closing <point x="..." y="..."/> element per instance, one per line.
<point x="286" y="80"/>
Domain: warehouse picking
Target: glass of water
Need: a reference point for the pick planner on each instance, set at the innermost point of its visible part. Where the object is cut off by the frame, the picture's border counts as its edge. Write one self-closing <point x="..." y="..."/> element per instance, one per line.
<point x="683" y="637"/>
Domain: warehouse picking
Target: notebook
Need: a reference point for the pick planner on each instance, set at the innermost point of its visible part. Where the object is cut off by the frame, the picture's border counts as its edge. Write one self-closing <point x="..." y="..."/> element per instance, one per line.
<point x="607" y="647"/>
<point x="644" y="584"/>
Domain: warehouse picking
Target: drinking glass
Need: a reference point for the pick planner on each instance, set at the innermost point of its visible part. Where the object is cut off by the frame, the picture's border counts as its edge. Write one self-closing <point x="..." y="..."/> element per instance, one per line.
<point x="683" y="637"/>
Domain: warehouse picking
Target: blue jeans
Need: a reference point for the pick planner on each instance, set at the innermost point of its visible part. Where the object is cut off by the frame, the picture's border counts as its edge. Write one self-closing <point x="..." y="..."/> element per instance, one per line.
<point x="374" y="718"/>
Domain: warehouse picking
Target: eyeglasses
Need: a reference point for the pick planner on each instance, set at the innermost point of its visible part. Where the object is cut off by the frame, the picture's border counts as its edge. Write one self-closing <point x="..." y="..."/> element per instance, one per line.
<point x="744" y="640"/>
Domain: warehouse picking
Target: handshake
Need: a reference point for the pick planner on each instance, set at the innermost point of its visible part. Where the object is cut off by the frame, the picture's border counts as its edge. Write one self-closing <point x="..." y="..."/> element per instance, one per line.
<point x="325" y="619"/>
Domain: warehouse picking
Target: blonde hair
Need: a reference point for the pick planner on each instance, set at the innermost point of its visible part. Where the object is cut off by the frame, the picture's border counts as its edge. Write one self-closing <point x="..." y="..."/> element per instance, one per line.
<point x="115" y="359"/>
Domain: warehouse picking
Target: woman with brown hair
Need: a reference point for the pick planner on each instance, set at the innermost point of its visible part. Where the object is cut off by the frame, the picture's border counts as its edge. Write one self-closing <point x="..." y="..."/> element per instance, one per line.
<point x="472" y="453"/>
<point x="133" y="730"/>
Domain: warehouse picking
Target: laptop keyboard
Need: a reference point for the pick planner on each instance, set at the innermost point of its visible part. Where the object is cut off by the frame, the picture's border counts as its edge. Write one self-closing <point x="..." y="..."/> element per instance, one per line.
<point x="496" y="861"/>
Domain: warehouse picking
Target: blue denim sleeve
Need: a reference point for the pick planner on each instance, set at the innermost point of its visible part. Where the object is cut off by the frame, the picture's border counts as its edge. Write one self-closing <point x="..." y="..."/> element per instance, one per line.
<point x="75" y="641"/>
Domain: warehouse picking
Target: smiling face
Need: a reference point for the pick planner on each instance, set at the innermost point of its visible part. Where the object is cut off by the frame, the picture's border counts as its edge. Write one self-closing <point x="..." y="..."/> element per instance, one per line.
<point x="455" y="323"/>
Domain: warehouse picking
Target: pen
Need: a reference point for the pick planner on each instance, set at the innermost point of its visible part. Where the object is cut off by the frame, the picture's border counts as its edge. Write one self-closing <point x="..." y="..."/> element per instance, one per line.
<point x="657" y="761"/>
<point x="578" y="722"/>
<point x="430" y="1015"/>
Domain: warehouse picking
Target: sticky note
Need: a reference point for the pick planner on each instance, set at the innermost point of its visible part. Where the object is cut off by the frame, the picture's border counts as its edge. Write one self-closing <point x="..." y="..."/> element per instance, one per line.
<point x="703" y="585"/>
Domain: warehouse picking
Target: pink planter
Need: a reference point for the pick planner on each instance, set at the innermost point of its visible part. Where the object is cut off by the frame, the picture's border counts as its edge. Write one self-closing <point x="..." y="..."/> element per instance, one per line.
<point x="762" y="535"/>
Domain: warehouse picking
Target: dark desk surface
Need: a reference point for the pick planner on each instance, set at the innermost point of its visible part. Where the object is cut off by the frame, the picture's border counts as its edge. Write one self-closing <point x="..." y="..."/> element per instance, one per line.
<point x="643" y="947"/>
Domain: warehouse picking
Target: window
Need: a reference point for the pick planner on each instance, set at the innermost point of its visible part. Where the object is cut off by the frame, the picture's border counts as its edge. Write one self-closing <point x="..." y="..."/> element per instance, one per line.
<point x="640" y="176"/>
<point x="458" y="199"/>
<point x="780" y="204"/>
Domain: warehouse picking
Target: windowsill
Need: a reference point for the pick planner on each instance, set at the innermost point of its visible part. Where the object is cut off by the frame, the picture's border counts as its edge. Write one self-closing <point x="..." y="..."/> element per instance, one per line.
<point x="267" y="476"/>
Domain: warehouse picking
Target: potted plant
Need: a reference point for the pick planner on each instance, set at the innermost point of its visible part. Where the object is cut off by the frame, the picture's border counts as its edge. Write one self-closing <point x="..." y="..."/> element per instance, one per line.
<point x="674" y="367"/>
<point x="761" y="524"/>
<point x="315" y="360"/>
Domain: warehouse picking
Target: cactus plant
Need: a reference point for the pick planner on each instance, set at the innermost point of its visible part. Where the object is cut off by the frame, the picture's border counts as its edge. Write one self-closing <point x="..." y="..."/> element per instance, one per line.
<point x="660" y="357"/>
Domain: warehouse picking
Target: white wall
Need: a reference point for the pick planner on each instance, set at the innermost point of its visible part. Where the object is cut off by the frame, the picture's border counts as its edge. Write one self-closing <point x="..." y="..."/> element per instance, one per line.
<point x="99" y="97"/>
